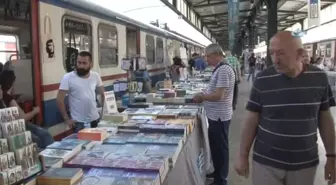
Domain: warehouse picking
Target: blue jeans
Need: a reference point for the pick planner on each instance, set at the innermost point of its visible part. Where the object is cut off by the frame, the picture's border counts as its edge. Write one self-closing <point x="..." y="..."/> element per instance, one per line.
<point x="80" y="125"/>
<point x="40" y="135"/>
<point x="219" y="145"/>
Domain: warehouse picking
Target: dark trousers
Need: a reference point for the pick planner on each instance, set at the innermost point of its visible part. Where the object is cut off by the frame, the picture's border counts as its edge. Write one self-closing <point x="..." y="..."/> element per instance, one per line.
<point x="219" y="145"/>
<point x="80" y="125"/>
<point x="40" y="135"/>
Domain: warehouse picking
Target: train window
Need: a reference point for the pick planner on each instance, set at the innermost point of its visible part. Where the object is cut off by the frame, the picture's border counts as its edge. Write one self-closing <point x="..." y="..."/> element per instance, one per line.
<point x="150" y="49"/>
<point x="328" y="50"/>
<point x="159" y="50"/>
<point x="8" y="47"/>
<point x="108" y="46"/>
<point x="76" y="35"/>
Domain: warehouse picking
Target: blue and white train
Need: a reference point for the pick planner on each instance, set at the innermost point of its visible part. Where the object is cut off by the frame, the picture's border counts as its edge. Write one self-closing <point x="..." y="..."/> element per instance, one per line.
<point x="51" y="27"/>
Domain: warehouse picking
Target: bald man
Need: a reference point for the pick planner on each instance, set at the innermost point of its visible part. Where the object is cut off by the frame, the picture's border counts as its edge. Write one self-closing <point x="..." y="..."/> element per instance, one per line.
<point x="288" y="103"/>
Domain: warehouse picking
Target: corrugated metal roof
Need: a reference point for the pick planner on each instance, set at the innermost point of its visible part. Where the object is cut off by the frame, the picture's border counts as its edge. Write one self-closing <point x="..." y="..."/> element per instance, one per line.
<point x="214" y="15"/>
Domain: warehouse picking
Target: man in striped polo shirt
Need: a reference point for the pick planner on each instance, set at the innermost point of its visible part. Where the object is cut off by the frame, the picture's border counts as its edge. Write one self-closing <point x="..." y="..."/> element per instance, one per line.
<point x="288" y="103"/>
<point x="217" y="100"/>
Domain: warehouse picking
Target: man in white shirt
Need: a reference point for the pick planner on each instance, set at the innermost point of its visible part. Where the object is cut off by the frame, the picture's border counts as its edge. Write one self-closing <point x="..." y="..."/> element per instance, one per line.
<point x="80" y="86"/>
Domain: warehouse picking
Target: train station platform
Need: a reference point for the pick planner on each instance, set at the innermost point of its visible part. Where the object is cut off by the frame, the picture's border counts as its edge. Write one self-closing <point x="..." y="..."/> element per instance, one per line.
<point x="234" y="139"/>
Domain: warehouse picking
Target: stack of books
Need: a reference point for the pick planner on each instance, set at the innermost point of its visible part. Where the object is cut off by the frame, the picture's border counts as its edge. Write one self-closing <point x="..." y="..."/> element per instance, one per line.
<point x="18" y="154"/>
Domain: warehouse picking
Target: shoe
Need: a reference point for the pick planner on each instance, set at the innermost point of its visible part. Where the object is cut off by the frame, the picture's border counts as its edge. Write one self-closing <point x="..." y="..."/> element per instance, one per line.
<point x="210" y="176"/>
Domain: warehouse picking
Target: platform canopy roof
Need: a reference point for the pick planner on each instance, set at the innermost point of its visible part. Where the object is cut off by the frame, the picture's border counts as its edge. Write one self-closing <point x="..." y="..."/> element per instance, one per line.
<point x="214" y="15"/>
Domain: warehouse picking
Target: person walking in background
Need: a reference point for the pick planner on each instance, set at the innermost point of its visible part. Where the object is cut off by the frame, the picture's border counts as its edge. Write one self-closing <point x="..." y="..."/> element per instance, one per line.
<point x="233" y="61"/>
<point x="252" y="64"/>
<point x="305" y="57"/>
<point x="217" y="100"/>
<point x="200" y="64"/>
<point x="191" y="62"/>
<point x="288" y="103"/>
<point x="176" y="70"/>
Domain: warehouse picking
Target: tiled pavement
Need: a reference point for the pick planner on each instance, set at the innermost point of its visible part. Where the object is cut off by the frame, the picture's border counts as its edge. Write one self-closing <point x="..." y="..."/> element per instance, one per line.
<point x="234" y="138"/>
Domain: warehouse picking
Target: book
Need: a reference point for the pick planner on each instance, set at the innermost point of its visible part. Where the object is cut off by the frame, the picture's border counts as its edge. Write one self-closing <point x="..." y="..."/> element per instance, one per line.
<point x="18" y="141"/>
<point x="160" y="128"/>
<point x="85" y="144"/>
<point x="132" y="127"/>
<point x="11" y="159"/>
<point x="63" y="154"/>
<point x="93" y="154"/>
<point x="21" y="157"/>
<point x="4" y="146"/>
<point x="119" y="138"/>
<point x="12" y="175"/>
<point x="22" y="125"/>
<point x="132" y="149"/>
<point x="172" y="139"/>
<point x="18" y="173"/>
<point x="111" y="148"/>
<point x="66" y="145"/>
<point x="60" y="176"/>
<point x="93" y="134"/>
<point x="52" y="162"/>
<point x="4" y="178"/>
<point x="4" y="162"/>
<point x="7" y="129"/>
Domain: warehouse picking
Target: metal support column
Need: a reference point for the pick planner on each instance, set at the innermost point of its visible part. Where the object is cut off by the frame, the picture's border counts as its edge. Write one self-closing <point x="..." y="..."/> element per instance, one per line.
<point x="272" y="24"/>
<point x="250" y="37"/>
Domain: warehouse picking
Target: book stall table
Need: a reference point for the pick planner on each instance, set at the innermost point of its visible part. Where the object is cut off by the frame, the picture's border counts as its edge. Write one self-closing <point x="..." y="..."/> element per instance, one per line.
<point x="158" y="145"/>
<point x="19" y="157"/>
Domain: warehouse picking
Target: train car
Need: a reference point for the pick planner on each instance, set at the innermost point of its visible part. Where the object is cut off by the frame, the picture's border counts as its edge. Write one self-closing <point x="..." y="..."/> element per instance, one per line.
<point x="325" y="49"/>
<point x="46" y="32"/>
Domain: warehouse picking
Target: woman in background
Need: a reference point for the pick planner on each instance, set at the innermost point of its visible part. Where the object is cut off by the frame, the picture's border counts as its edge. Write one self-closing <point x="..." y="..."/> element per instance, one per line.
<point x="39" y="135"/>
<point x="176" y="69"/>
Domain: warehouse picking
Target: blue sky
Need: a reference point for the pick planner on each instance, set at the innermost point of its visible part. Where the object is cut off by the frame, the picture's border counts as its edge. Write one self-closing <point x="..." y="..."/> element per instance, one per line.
<point x="151" y="10"/>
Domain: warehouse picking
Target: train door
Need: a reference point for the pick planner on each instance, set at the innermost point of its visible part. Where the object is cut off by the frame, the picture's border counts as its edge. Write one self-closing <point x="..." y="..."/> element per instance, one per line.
<point x="131" y="42"/>
<point x="16" y="19"/>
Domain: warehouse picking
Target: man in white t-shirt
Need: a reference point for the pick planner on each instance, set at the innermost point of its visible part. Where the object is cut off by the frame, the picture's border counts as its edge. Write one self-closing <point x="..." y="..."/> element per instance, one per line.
<point x="80" y="86"/>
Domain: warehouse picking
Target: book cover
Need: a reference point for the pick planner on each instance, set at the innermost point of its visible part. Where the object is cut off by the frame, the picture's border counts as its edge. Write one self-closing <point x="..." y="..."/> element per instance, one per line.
<point x="60" y="173"/>
<point x="11" y="176"/>
<point x="111" y="148"/>
<point x="11" y="159"/>
<point x="4" y="146"/>
<point x="55" y="153"/>
<point x="93" y="154"/>
<point x="16" y="126"/>
<point x="119" y="138"/>
<point x="4" y="162"/>
<point x="4" y="178"/>
<point x="157" y="122"/>
<point x="22" y="125"/>
<point x="28" y="137"/>
<point x="18" y="173"/>
<point x="163" y="150"/>
<point x="30" y="156"/>
<point x="64" y="145"/>
<point x="52" y="162"/>
<point x="132" y="149"/>
<point x="33" y="147"/>
<point x="15" y="112"/>
<point x="7" y="129"/>
<point x="22" y="158"/>
<point x="92" y="134"/>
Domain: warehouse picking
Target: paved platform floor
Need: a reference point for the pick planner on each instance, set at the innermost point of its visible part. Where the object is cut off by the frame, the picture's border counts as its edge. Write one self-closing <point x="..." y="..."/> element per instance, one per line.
<point x="234" y="138"/>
